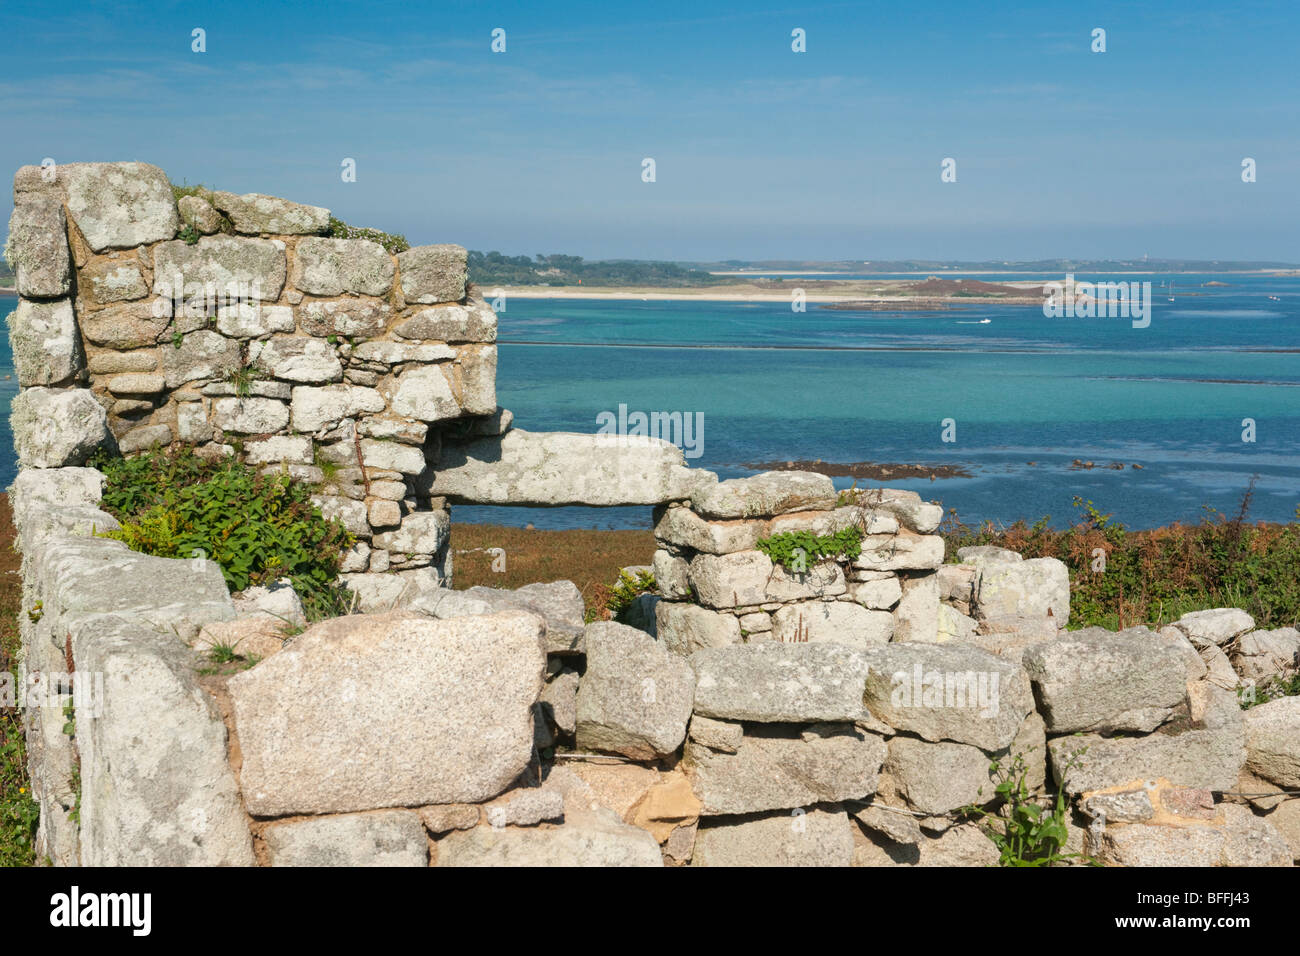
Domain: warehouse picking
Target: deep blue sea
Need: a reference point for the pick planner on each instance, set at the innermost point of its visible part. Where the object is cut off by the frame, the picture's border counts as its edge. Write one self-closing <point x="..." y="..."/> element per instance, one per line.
<point x="851" y="386"/>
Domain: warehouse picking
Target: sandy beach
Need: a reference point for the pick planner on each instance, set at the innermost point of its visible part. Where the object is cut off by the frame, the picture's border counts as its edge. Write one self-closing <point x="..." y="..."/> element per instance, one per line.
<point x="815" y="291"/>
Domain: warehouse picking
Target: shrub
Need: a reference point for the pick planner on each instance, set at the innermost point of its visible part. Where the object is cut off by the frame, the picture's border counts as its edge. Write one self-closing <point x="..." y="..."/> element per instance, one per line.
<point x="392" y="242"/>
<point x="797" y="550"/>
<point x="256" y="527"/>
<point x="1157" y="575"/>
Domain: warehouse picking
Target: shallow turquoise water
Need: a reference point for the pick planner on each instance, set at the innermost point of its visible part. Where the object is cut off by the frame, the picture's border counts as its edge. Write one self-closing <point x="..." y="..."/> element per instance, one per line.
<point x="841" y="386"/>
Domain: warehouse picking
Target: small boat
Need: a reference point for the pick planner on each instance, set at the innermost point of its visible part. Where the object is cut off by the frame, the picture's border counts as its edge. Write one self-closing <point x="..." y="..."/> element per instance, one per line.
<point x="1275" y="298"/>
<point x="985" y="321"/>
<point x="1171" y="291"/>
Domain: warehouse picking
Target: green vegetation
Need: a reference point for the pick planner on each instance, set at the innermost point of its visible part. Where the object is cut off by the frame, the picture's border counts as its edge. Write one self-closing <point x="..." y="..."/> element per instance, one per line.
<point x="626" y="590"/>
<point x="493" y="268"/>
<point x="1155" y="576"/>
<point x="393" y="242"/>
<point x="796" y="551"/>
<point x="258" y="528"/>
<point x="1030" y="834"/>
<point x="189" y="235"/>
<point x="242" y="380"/>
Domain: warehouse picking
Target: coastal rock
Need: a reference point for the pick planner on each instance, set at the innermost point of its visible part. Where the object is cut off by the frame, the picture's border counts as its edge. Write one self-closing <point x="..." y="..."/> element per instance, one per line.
<point x="1098" y="680"/>
<point x="338" y="266"/>
<point x="797" y="838"/>
<point x="635" y="697"/>
<point x="1216" y="626"/>
<point x="233" y="266"/>
<point x="1204" y="759"/>
<point x="834" y="621"/>
<point x="199" y="214"/>
<point x="1264" y="654"/>
<point x="45" y="343"/>
<point x="935" y="778"/>
<point x="308" y="749"/>
<point x="119" y="205"/>
<point x="425" y="395"/>
<point x="1035" y="588"/>
<point x="113" y="279"/>
<point x="53" y="428"/>
<point x="772" y="769"/>
<point x="387" y="838"/>
<point x="356" y="317"/>
<point x="904" y="551"/>
<point x="916" y="618"/>
<point x="749" y="577"/>
<point x="473" y="322"/>
<point x="314" y="407"/>
<point x="788" y="683"/>
<point x="433" y="273"/>
<point x="764" y="495"/>
<point x="685" y="628"/>
<point x="253" y="214"/>
<point x="563" y="468"/>
<point x="38" y="249"/>
<point x="1273" y="741"/>
<point x="295" y="359"/>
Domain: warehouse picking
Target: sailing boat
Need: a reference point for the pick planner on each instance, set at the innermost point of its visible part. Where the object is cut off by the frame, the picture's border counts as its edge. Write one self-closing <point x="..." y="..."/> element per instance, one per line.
<point x="1171" y="290"/>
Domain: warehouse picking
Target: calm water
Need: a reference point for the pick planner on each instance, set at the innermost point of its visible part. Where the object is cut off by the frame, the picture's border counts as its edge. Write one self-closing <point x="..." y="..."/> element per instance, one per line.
<point x="846" y="387"/>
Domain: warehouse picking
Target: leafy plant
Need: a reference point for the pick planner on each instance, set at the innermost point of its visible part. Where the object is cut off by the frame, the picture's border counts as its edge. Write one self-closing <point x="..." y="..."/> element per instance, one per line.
<point x="189" y="235"/>
<point x="256" y="527"/>
<point x="242" y="379"/>
<point x="627" y="589"/>
<point x="797" y="550"/>
<point x="1031" y="834"/>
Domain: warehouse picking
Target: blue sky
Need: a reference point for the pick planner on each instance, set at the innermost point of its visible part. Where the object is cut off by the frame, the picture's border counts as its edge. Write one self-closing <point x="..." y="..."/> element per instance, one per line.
<point x="760" y="152"/>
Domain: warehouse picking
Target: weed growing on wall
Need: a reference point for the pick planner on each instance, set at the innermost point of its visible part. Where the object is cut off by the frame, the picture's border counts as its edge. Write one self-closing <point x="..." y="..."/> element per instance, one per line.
<point x="392" y="242"/>
<point x="256" y="527"/>
<point x="797" y="550"/>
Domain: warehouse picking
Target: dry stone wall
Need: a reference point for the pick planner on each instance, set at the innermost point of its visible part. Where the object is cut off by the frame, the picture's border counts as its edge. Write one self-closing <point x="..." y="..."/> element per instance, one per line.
<point x="840" y="711"/>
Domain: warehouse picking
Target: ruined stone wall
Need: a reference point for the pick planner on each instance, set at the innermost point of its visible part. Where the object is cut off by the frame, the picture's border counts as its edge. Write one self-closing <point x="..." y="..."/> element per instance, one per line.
<point x="234" y="324"/>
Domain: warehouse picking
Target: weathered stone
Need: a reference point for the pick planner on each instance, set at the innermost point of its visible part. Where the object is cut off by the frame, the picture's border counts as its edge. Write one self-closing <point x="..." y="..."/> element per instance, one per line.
<point x="685" y="628"/>
<point x="790" y="683"/>
<point x="1099" y="680"/>
<point x="746" y="578"/>
<point x="472" y="322"/>
<point x="952" y="625"/>
<point x="837" y="622"/>
<point x="225" y="266"/>
<point x="1123" y="806"/>
<point x="635" y="697"/>
<point x="593" y="840"/>
<point x="157" y="787"/>
<point x="773" y="770"/>
<point x="308" y="749"/>
<point x="109" y="280"/>
<point x="292" y="449"/>
<point x="53" y="428"/>
<point x="249" y="320"/>
<point x="834" y="521"/>
<point x="880" y="595"/>
<point x="300" y="360"/>
<point x="721" y="735"/>
<point x="395" y="353"/>
<point x="197" y="213"/>
<point x="1209" y="759"/>
<point x="140" y="360"/>
<point x="948" y="692"/>
<point x="666" y="807"/>
<point x="798" y="838"/>
<point x="477" y="379"/>
<point x="38" y="249"/>
<point x="672" y="575"/>
<point x="1264" y="654"/>
<point x="45" y="342"/>
<point x="253" y="639"/>
<point x="904" y="551"/>
<point x="525" y="807"/>
<point x="144" y="437"/>
<point x="683" y="528"/>
<point x="935" y="778"/>
<point x="424" y="394"/>
<point x="338" y="266"/>
<point x="1273" y="741"/>
<point x="433" y="273"/>
<point x="250" y="416"/>
<point x="764" y="495"/>
<point x="392" y="456"/>
<point x="563" y="468"/>
<point x="448" y="817"/>
<point x="201" y="355"/>
<point x="916" y="618"/>
<point x="897" y="825"/>
<point x="422" y="532"/>
<point x="350" y="317"/>
<point x="965" y="845"/>
<point x="253" y="214"/>
<point x="136" y="383"/>
<point x="1216" y="626"/>
<point x="119" y="205"/>
<point x="277" y="602"/>
<point x="559" y="603"/>
<point x="912" y="513"/>
<point x="315" y="407"/>
<point x="979" y="554"/>
<point x="1239" y="840"/>
<point x="387" y="838"/>
<point x="559" y="700"/>
<point x="1035" y="588"/>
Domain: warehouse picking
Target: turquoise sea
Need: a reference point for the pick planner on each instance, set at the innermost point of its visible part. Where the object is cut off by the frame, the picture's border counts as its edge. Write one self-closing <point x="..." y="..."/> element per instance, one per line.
<point x="856" y="386"/>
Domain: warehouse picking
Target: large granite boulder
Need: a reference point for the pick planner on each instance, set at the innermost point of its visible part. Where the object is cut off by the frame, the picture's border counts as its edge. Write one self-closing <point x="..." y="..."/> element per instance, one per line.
<point x="57" y="427"/>
<point x="389" y="710"/>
